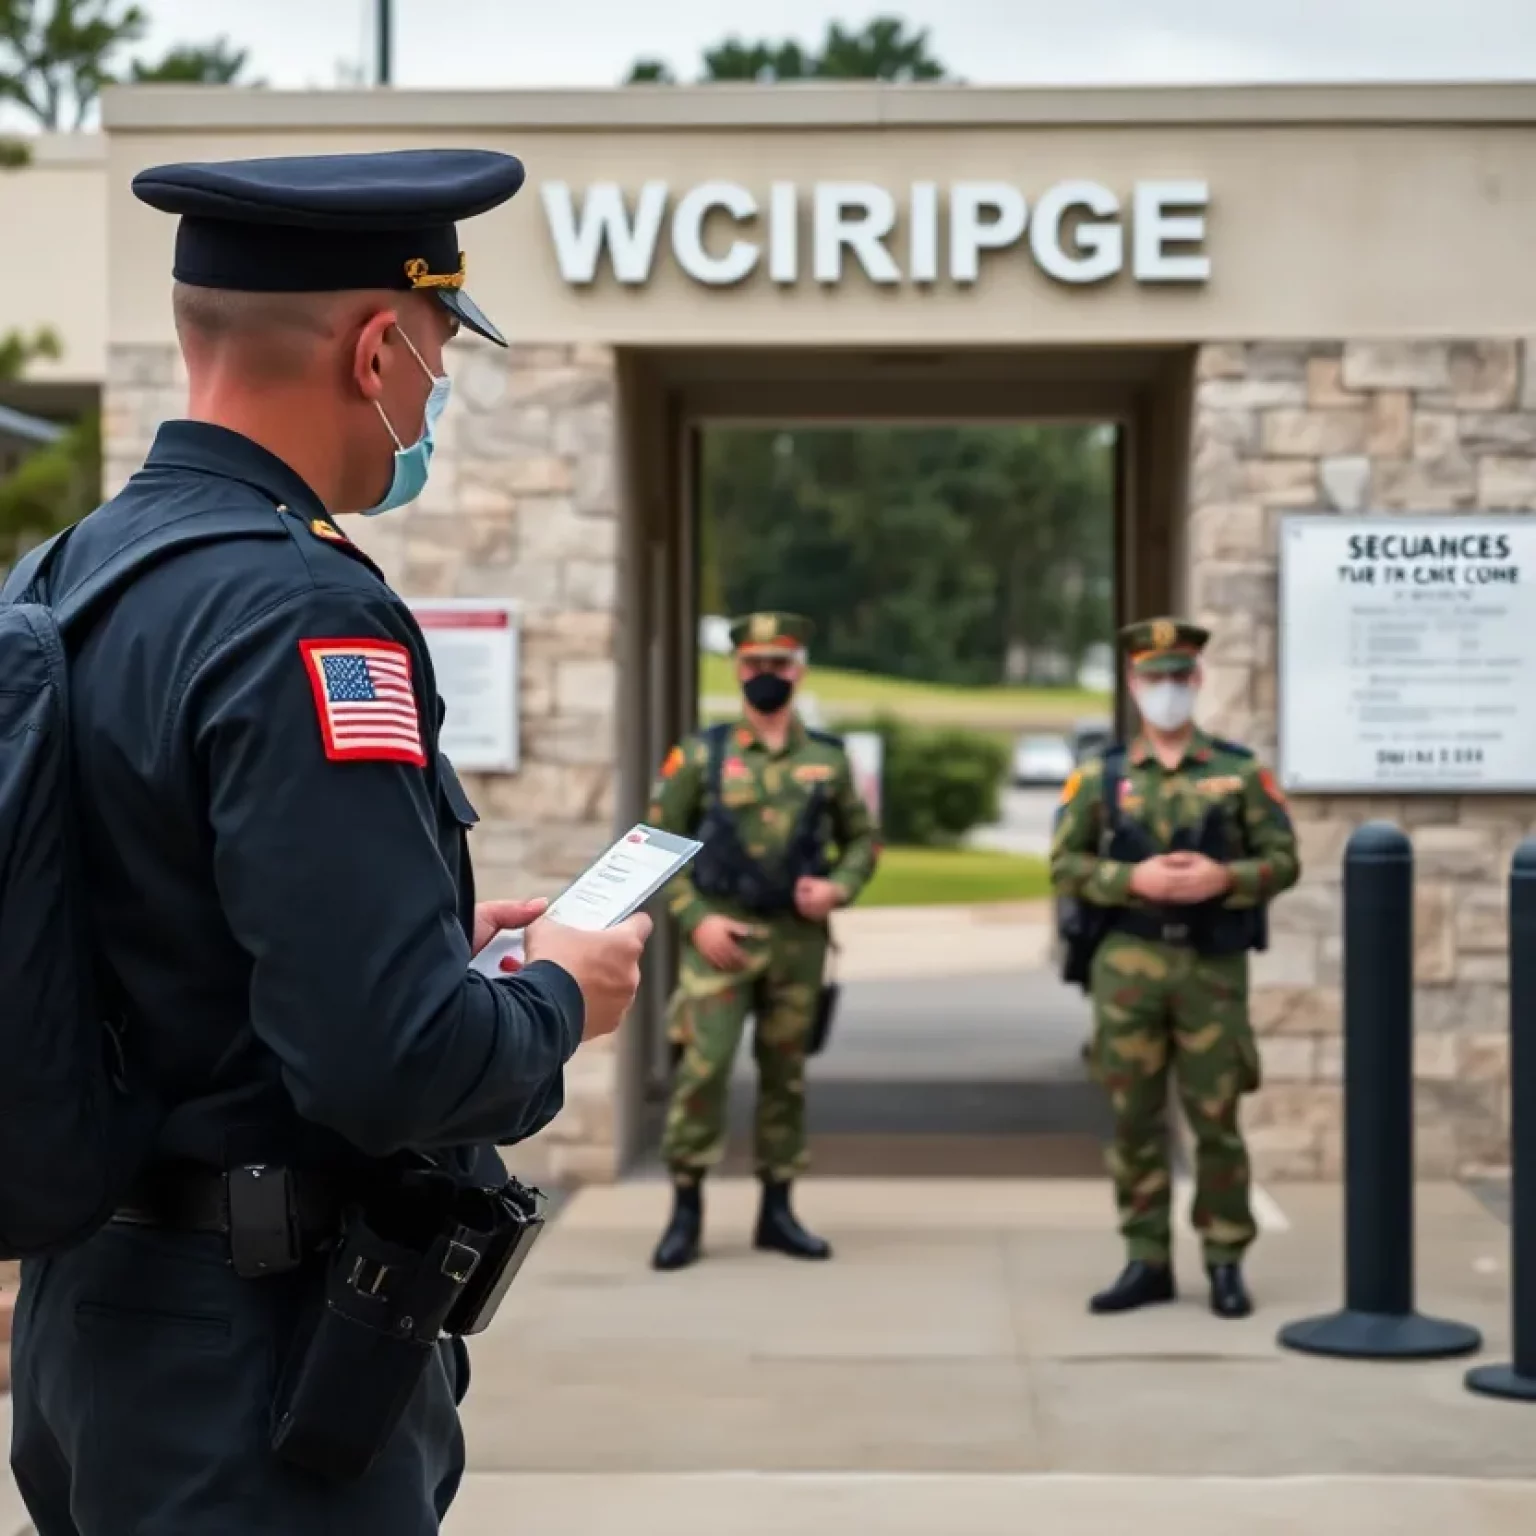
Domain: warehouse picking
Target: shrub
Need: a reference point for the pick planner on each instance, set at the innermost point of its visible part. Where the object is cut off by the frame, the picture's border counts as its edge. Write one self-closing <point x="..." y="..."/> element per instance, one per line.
<point x="937" y="784"/>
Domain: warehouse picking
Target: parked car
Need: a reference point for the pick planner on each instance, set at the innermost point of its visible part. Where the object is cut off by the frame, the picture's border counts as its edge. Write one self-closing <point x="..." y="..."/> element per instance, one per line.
<point x="1090" y="737"/>
<point x="1039" y="760"/>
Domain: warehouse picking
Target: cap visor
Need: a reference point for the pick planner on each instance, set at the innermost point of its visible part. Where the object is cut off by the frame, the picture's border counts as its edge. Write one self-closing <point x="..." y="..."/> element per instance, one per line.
<point x="1164" y="666"/>
<point x="470" y="314"/>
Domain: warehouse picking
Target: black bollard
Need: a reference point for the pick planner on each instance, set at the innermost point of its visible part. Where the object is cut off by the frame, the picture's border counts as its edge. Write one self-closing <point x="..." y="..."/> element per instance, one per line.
<point x="1378" y="1320"/>
<point x="1517" y="1379"/>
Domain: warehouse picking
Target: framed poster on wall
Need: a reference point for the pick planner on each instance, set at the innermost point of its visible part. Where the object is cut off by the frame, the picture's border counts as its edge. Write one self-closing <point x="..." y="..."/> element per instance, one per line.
<point x="1407" y="654"/>
<point x="473" y="642"/>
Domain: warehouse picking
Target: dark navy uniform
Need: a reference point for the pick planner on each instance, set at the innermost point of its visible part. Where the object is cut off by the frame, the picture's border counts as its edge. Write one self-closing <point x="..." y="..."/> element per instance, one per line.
<point x="284" y="895"/>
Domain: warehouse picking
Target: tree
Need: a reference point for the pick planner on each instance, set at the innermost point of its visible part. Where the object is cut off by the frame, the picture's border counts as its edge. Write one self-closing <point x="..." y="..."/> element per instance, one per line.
<point x="935" y="553"/>
<point x="18" y="351"/>
<point x="57" y="55"/>
<point x="215" y="63"/>
<point x="53" y="487"/>
<point x="882" y="50"/>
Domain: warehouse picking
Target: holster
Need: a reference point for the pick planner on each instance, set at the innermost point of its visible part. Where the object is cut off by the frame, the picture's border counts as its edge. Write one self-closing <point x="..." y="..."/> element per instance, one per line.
<point x="443" y="1267"/>
<point x="826" y="1010"/>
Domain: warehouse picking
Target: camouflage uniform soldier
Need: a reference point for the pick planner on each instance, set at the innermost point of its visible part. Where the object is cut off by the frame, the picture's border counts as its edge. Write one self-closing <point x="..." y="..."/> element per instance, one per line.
<point x="1169" y="979"/>
<point x="737" y="960"/>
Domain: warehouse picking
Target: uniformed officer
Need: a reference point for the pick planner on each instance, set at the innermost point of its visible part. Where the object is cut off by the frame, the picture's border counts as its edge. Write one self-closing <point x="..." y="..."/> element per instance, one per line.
<point x="739" y="958"/>
<point x="277" y="856"/>
<point x="1170" y="978"/>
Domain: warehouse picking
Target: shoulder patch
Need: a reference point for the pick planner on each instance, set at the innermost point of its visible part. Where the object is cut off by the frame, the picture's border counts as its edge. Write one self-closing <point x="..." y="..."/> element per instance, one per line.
<point x="675" y="759"/>
<point x="1271" y="787"/>
<point x="1071" y="787"/>
<point x="365" y="700"/>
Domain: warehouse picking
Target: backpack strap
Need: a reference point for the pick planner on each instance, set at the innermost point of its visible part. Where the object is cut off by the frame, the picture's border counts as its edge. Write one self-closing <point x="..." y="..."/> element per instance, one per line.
<point x="1112" y="768"/>
<point x="74" y="607"/>
<point x="31" y="571"/>
<point x="1236" y="748"/>
<point x="715" y="736"/>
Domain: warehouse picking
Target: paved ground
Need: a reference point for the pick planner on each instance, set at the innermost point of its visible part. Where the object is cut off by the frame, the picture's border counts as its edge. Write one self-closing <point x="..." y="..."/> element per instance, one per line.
<point x="944" y="1364"/>
<point x="1025" y="825"/>
<point x="942" y="1374"/>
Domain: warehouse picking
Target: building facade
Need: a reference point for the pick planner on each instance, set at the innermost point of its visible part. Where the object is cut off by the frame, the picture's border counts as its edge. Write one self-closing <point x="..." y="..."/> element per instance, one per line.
<point x="1292" y="300"/>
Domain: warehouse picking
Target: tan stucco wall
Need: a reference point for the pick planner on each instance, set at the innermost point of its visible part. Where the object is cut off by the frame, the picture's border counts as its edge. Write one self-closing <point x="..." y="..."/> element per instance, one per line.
<point x="53" y="218"/>
<point x="1317" y="227"/>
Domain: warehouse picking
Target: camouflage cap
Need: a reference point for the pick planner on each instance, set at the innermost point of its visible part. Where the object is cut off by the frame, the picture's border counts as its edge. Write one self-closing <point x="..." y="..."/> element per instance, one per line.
<point x="771" y="634"/>
<point x="1163" y="645"/>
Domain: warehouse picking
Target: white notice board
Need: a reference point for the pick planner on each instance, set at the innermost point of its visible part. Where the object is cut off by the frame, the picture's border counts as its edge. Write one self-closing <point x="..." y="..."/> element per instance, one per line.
<point x="1406" y="648"/>
<point x="866" y="758"/>
<point x="473" y="644"/>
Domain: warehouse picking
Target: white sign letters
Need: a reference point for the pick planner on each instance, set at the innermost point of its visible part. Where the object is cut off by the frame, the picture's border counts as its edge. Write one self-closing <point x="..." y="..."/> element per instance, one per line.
<point x="1076" y="231"/>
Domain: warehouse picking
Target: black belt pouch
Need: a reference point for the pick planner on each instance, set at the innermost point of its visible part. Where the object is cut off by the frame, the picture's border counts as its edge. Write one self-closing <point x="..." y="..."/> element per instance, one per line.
<point x="351" y="1372"/>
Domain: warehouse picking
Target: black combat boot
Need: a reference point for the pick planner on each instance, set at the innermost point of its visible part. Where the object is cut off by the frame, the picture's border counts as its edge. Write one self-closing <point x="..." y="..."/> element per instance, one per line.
<point x="778" y="1230"/>
<point x="679" y="1245"/>
<point x="1140" y="1284"/>
<point x="1229" y="1296"/>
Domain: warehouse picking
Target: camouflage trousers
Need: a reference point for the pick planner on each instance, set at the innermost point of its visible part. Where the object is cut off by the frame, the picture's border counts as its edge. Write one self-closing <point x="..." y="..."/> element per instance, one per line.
<point x="780" y="989"/>
<point x="1158" y="1007"/>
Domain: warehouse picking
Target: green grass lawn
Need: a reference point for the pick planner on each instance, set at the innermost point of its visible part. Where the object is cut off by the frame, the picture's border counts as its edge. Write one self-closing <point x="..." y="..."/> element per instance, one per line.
<point x="849" y="694"/>
<point x="931" y="877"/>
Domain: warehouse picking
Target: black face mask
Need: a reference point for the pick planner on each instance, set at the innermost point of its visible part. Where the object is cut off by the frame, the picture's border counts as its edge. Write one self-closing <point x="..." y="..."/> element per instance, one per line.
<point x="767" y="692"/>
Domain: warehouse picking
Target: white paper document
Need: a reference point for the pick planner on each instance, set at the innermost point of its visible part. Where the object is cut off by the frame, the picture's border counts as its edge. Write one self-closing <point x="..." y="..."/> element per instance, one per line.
<point x="620" y="882"/>
<point x="623" y="879"/>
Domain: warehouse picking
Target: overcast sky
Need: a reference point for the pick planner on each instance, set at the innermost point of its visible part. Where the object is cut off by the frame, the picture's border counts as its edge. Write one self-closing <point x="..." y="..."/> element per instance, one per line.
<point x="446" y="43"/>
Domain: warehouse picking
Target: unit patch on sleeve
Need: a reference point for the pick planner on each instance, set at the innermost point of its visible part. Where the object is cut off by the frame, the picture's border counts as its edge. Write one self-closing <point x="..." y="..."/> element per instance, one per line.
<point x="364" y="700"/>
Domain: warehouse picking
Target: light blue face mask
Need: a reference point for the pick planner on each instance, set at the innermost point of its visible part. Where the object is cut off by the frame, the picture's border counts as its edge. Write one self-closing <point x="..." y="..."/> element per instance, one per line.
<point x="413" y="463"/>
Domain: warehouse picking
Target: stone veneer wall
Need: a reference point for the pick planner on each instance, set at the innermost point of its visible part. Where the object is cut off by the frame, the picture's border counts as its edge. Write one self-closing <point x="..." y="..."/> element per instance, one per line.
<point x="522" y="503"/>
<point x="1359" y="427"/>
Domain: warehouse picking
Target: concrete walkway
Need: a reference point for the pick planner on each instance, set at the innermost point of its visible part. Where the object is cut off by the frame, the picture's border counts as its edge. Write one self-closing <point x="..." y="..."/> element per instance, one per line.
<point x="942" y="1374"/>
<point x="890" y="943"/>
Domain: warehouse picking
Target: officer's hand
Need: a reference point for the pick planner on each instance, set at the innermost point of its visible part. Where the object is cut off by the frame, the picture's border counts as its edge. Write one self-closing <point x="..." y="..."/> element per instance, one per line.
<point x="715" y="938"/>
<point x="815" y="899"/>
<point x="1153" y="879"/>
<point x="605" y="965"/>
<point x="1197" y="878"/>
<point x="492" y="917"/>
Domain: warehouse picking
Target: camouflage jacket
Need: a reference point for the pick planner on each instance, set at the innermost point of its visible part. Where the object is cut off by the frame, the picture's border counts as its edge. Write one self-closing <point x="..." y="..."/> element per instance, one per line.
<point x="766" y="792"/>
<point x="1264" y="859"/>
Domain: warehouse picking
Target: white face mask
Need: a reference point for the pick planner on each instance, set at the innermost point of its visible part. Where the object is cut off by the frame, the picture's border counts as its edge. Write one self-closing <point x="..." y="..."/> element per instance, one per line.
<point x="1166" y="706"/>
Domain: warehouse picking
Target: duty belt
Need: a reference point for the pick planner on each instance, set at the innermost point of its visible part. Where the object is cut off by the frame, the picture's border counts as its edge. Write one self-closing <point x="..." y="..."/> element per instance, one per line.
<point x="272" y="1216"/>
<point x="1159" y="927"/>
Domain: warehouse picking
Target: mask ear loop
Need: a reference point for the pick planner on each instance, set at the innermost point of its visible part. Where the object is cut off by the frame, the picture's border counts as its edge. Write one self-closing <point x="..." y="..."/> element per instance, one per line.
<point x="395" y="436"/>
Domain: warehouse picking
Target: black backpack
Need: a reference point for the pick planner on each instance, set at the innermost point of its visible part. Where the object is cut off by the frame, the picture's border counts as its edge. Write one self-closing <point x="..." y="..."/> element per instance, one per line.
<point x="75" y="1126"/>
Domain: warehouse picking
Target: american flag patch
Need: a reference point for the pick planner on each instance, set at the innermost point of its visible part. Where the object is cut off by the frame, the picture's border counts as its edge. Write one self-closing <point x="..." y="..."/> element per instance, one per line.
<point x="365" y="701"/>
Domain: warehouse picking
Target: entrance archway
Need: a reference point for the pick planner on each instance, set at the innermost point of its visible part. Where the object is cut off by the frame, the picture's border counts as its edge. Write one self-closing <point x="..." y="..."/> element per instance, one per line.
<point x="667" y="399"/>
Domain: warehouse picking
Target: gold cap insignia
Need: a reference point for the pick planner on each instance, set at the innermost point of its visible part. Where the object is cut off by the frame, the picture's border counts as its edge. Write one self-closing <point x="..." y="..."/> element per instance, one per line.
<point x="764" y="627"/>
<point x="421" y="275"/>
<point x="1164" y="634"/>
